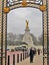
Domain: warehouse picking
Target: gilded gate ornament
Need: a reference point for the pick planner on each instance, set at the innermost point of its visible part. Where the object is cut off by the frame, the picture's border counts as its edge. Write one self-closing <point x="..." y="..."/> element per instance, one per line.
<point x="42" y="7"/>
<point x="24" y="3"/>
<point x="6" y="9"/>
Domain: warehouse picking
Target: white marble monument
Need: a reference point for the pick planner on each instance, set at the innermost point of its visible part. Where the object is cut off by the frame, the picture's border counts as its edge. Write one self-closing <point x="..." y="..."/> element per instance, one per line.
<point x="27" y="36"/>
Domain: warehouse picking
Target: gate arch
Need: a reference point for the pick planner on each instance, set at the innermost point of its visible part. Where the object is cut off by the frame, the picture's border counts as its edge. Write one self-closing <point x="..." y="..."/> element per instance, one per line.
<point x="29" y="4"/>
<point x="4" y="8"/>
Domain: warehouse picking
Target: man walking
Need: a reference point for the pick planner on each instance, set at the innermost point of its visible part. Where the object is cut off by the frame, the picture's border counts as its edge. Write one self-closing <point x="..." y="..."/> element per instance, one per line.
<point x="32" y="52"/>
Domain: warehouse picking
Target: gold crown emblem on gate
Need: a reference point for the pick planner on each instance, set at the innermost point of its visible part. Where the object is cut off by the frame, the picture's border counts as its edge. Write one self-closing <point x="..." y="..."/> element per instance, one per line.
<point x="42" y="7"/>
<point x="24" y="3"/>
<point x="6" y="9"/>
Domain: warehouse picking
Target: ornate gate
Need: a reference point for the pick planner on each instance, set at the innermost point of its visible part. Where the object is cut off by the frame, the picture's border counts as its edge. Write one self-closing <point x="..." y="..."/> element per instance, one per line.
<point x="6" y="6"/>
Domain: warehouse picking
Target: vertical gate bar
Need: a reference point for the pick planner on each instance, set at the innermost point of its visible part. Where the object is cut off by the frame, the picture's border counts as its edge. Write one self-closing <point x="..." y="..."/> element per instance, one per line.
<point x="1" y="31"/>
<point x="44" y="35"/>
<point x="4" y="33"/>
<point x="47" y="32"/>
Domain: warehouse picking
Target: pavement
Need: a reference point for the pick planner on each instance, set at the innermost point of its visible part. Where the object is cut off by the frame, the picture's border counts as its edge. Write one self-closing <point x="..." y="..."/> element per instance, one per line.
<point x="38" y="60"/>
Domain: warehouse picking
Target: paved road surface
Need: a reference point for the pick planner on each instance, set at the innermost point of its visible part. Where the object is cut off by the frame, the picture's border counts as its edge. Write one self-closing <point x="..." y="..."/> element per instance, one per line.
<point x="38" y="60"/>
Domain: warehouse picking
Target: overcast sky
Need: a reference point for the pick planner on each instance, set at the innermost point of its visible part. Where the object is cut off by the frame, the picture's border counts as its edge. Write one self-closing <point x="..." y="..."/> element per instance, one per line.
<point x="16" y="21"/>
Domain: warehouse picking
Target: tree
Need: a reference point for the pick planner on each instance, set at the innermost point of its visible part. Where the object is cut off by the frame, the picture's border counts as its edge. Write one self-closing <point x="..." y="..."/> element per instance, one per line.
<point x="11" y="36"/>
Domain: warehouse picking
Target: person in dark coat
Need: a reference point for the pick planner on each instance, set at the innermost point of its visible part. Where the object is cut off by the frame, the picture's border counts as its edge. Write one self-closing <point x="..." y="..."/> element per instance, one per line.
<point x="38" y="51"/>
<point x="34" y="50"/>
<point x="31" y="55"/>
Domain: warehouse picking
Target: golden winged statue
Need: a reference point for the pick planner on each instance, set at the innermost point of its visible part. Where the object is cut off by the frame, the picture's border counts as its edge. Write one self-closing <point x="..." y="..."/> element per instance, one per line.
<point x="27" y="24"/>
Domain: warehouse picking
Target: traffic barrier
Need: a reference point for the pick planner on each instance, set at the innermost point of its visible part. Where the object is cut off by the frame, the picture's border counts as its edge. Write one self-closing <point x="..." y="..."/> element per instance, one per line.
<point x="17" y="58"/>
<point x="8" y="60"/>
<point x="13" y="59"/>
<point x="21" y="57"/>
<point x="25" y="54"/>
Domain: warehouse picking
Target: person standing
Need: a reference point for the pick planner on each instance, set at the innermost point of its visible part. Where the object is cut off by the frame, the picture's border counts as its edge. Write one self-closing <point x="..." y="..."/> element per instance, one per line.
<point x="31" y="55"/>
<point x="38" y="51"/>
